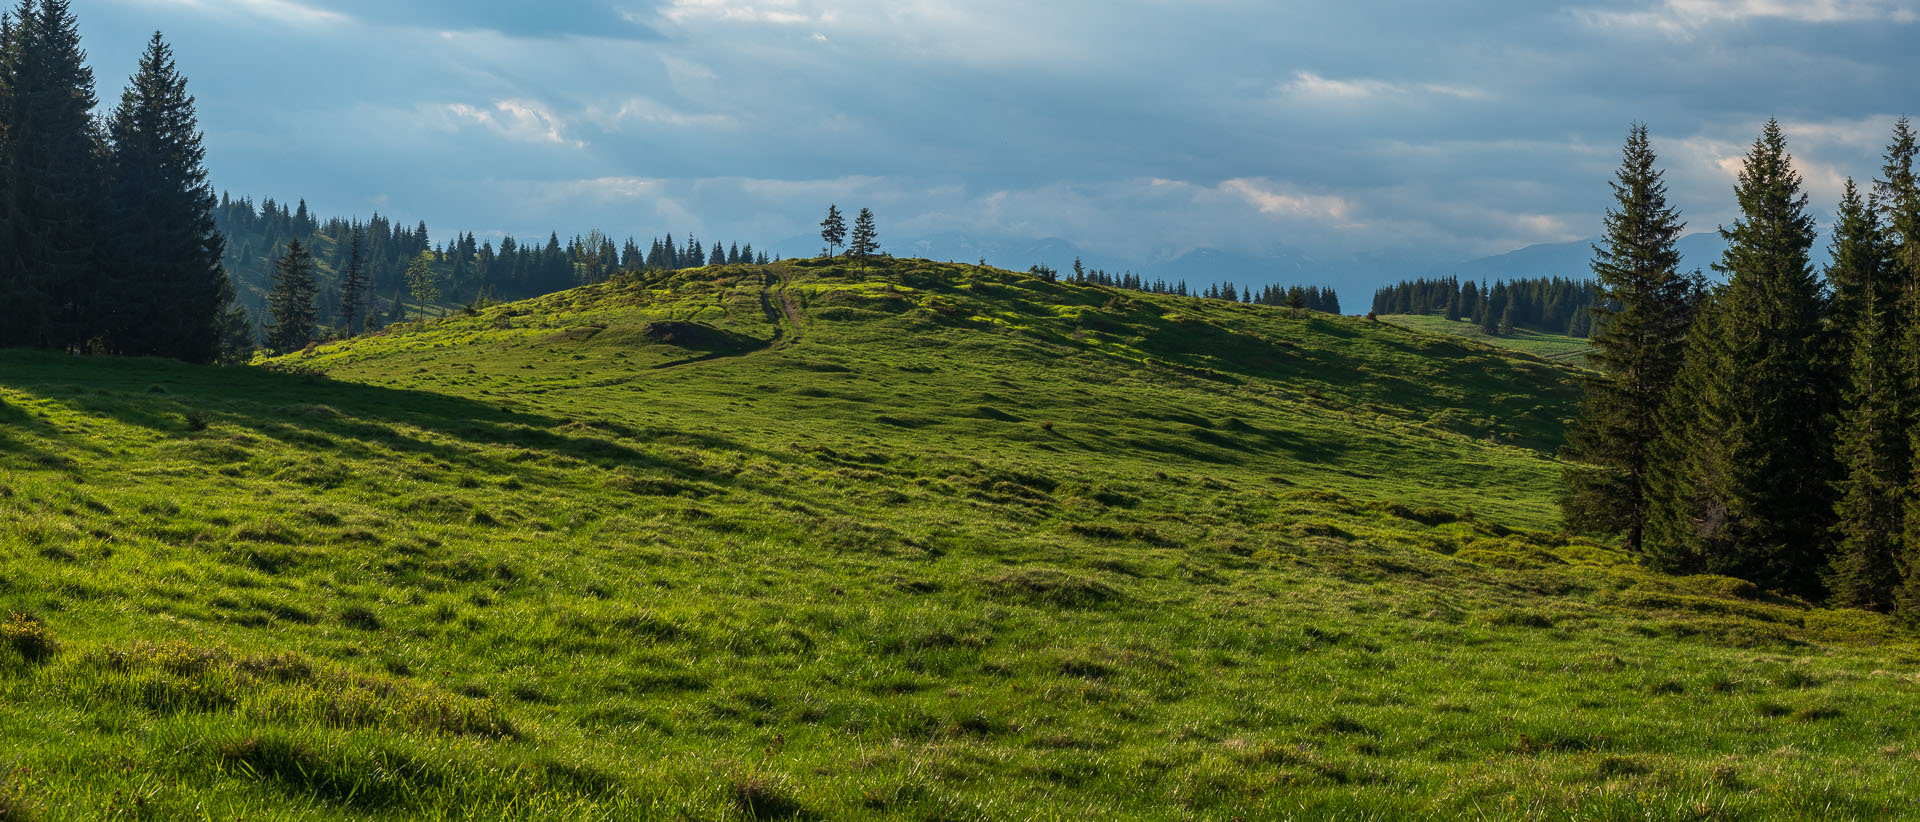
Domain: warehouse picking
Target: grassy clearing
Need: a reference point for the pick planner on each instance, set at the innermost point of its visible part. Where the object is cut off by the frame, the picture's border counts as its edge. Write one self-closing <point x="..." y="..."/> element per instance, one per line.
<point x="917" y="541"/>
<point x="1552" y="347"/>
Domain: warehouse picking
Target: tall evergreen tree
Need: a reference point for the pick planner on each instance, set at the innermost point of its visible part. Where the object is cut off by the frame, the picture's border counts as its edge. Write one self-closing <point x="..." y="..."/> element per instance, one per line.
<point x="1745" y="486"/>
<point x="1899" y="200"/>
<point x="54" y="180"/>
<point x="14" y="317"/>
<point x="291" y="301"/>
<point x="1646" y="307"/>
<point x="170" y="289"/>
<point x="833" y="229"/>
<point x="353" y="285"/>
<point x="1872" y="446"/>
<point x="866" y="239"/>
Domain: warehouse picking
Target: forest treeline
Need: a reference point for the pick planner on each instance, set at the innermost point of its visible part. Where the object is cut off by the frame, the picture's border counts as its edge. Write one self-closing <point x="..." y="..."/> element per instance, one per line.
<point x="1763" y="428"/>
<point x="465" y="270"/>
<point x="1553" y="305"/>
<point x="1311" y="298"/>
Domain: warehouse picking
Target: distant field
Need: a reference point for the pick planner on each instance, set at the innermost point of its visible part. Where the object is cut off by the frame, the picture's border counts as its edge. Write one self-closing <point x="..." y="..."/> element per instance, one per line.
<point x="909" y="540"/>
<point x="1555" y="347"/>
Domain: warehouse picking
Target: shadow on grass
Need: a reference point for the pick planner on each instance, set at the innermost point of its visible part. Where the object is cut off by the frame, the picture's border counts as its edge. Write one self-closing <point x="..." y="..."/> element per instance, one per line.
<point x="311" y="411"/>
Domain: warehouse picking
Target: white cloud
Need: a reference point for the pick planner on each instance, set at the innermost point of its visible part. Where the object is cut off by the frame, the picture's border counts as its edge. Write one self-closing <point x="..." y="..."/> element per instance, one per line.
<point x="779" y="12"/>
<point x="1282" y="202"/>
<point x="1680" y="19"/>
<point x="1311" y="86"/>
<point x="1308" y="84"/>
<point x="285" y="11"/>
<point x="527" y="121"/>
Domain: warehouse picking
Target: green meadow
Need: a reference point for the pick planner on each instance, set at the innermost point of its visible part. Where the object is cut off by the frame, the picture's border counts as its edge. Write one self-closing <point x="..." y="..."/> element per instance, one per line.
<point x="824" y="540"/>
<point x="1555" y="347"/>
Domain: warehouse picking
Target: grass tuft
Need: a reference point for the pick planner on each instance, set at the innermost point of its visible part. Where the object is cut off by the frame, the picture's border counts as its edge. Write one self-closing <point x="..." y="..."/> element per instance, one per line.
<point x="28" y="637"/>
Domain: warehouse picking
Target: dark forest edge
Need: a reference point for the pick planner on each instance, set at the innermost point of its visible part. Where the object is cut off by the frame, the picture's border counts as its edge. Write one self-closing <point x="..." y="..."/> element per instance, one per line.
<point x="1550" y="305"/>
<point x="1763" y="428"/>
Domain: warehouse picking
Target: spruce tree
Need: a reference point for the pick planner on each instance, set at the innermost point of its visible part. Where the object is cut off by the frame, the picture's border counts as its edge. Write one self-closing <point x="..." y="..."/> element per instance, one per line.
<point x="1856" y="273"/>
<point x="13" y="283"/>
<point x="866" y="239"/>
<point x="1872" y="446"/>
<point x="1899" y="201"/>
<point x="353" y="284"/>
<point x="291" y="301"/>
<point x="1646" y="307"/>
<point x="833" y="229"/>
<point x="170" y="288"/>
<point x="54" y="181"/>
<point x="1745" y="485"/>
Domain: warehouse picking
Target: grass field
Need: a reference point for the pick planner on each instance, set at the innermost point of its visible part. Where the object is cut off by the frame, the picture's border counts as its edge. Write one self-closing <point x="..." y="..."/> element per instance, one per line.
<point x="911" y="540"/>
<point x="1554" y="347"/>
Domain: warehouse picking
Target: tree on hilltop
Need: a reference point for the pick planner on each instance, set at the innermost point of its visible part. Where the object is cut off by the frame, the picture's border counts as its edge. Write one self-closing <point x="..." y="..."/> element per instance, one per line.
<point x="866" y="239"/>
<point x="833" y="229"/>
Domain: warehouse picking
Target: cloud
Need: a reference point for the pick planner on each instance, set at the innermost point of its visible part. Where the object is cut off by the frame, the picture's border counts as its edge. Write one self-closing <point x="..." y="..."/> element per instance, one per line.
<point x="527" y="121"/>
<point x="1279" y="201"/>
<point x="1681" y="19"/>
<point x="283" y="11"/>
<point x="1707" y="164"/>
<point x="572" y="19"/>
<point x="779" y="12"/>
<point x="1311" y="86"/>
<point x="653" y="112"/>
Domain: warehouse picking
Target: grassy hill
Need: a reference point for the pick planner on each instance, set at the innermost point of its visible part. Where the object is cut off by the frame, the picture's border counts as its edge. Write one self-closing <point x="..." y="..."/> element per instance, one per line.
<point x="912" y="540"/>
<point x="1554" y="347"/>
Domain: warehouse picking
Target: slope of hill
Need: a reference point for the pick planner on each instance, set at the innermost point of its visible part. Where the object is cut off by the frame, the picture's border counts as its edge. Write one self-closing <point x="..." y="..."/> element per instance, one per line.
<point x="914" y="540"/>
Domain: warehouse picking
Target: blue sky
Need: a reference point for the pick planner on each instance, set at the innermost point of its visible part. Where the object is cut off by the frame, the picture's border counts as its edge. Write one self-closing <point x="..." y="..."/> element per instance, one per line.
<point x="1362" y="136"/>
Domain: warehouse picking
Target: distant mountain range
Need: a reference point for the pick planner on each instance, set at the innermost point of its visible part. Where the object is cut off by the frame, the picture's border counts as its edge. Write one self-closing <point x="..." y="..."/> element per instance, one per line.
<point x="1574" y="260"/>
